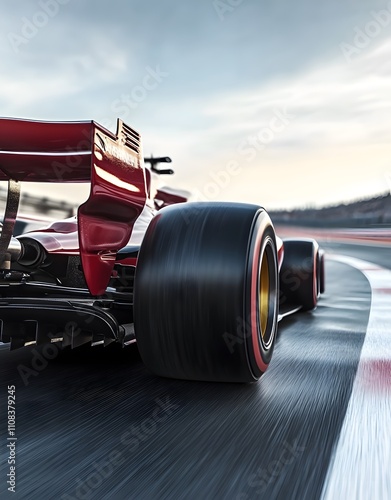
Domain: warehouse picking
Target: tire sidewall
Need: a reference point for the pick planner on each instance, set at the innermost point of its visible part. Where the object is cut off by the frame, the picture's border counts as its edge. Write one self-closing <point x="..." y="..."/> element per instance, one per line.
<point x="263" y="240"/>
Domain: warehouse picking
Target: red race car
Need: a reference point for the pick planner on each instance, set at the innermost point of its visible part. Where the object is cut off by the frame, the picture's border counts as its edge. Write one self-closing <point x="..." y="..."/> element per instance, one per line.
<point x="200" y="286"/>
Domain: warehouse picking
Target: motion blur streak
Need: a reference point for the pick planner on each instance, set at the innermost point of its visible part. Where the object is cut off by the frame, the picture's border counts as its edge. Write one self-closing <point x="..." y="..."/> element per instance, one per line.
<point x="361" y="467"/>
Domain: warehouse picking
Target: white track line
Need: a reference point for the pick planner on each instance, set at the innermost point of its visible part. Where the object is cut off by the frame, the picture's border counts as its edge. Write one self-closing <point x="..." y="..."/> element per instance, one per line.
<point x="361" y="465"/>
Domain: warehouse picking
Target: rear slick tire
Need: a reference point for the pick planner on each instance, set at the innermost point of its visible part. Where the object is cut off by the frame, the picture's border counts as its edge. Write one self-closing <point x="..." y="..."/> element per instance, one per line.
<point x="206" y="292"/>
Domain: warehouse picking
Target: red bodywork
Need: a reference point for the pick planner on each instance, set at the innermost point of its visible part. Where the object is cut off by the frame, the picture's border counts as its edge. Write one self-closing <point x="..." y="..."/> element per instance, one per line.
<point x="82" y="152"/>
<point x="163" y="198"/>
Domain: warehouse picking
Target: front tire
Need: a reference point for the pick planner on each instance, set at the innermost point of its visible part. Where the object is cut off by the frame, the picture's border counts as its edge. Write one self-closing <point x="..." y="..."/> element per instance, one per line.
<point x="322" y="284"/>
<point x="206" y="292"/>
<point x="299" y="275"/>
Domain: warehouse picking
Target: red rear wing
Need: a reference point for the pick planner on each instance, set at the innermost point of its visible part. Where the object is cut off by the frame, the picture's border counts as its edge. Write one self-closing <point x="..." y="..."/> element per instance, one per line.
<point x="83" y="152"/>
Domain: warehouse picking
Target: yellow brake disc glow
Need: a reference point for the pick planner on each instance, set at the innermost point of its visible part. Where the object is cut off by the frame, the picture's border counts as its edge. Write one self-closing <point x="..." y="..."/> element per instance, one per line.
<point x="264" y="294"/>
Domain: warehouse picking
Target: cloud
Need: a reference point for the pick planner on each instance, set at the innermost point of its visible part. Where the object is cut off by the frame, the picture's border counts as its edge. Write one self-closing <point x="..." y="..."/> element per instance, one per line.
<point x="336" y="145"/>
<point x="338" y="135"/>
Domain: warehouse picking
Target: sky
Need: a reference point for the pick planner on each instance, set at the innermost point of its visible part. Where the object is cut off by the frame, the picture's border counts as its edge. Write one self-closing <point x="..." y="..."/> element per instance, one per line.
<point x="280" y="103"/>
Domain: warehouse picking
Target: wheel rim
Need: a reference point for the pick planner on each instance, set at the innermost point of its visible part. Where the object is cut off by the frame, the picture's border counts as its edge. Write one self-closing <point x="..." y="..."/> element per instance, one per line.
<point x="264" y="295"/>
<point x="267" y="298"/>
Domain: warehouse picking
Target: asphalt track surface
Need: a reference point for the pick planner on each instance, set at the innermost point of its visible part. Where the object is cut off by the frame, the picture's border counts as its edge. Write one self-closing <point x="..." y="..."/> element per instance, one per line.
<point x="96" y="424"/>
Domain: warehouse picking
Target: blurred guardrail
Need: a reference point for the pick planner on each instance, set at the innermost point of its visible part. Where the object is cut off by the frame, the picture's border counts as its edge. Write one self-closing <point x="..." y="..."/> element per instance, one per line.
<point x="373" y="212"/>
<point x="38" y="205"/>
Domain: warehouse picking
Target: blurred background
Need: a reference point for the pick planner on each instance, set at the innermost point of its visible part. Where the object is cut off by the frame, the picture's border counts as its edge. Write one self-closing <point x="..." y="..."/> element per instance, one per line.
<point x="280" y="103"/>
